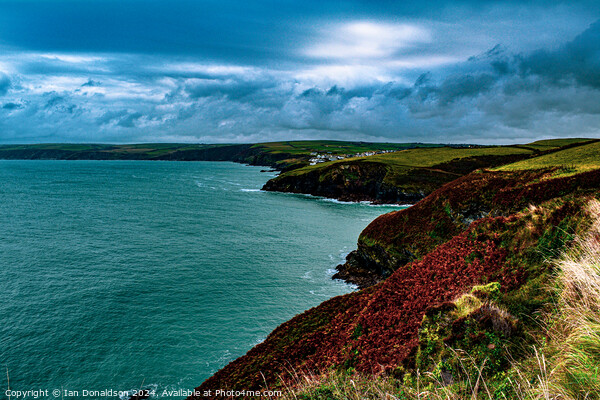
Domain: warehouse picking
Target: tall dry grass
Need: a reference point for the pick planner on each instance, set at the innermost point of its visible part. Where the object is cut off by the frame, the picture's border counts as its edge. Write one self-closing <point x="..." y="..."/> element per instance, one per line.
<point x="574" y="327"/>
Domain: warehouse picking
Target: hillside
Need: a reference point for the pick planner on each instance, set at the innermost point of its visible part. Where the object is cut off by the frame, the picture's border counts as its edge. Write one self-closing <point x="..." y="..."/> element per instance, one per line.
<point x="405" y="176"/>
<point x="569" y="161"/>
<point x="394" y="239"/>
<point x="282" y="156"/>
<point x="456" y="286"/>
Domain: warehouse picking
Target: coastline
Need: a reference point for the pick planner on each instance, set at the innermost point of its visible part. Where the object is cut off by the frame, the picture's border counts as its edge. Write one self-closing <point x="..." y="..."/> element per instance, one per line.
<point x="311" y="217"/>
<point x="456" y="224"/>
<point x="377" y="328"/>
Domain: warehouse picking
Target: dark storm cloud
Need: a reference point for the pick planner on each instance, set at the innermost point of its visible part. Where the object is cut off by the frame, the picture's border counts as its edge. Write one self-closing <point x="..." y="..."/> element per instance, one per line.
<point x="233" y="89"/>
<point x="5" y="84"/>
<point x="91" y="83"/>
<point x="578" y="60"/>
<point x="12" y="106"/>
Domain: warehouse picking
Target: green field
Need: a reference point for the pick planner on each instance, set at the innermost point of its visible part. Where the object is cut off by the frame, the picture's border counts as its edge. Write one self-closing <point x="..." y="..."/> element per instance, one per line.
<point x="402" y="166"/>
<point x="423" y="157"/>
<point x="570" y="161"/>
<point x="413" y="173"/>
<point x="296" y="154"/>
<point x="306" y="147"/>
<point x="543" y="153"/>
<point x="293" y="156"/>
<point x="548" y="144"/>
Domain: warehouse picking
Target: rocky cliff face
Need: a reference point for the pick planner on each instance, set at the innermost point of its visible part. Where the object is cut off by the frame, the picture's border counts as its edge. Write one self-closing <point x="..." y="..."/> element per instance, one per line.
<point x="395" y="239"/>
<point x="377" y="182"/>
<point x="360" y="181"/>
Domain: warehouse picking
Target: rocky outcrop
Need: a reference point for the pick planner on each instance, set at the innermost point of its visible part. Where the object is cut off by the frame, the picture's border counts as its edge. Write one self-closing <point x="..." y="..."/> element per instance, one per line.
<point x="380" y="183"/>
<point x="360" y="181"/>
<point x="367" y="266"/>
<point x="395" y="239"/>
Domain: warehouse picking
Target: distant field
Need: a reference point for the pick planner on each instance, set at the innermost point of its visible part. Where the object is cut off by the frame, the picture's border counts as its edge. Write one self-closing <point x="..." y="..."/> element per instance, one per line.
<point x="555" y="143"/>
<point x="303" y="148"/>
<point x="572" y="160"/>
<point x="281" y="155"/>
<point x="147" y="148"/>
<point x="410" y="174"/>
<point x="423" y="157"/>
<point x="293" y="156"/>
<point x="429" y="157"/>
<point x="403" y="176"/>
<point x="334" y="147"/>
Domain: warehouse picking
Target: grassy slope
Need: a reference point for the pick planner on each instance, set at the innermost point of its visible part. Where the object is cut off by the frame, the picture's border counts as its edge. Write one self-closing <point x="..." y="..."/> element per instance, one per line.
<point x="400" y="177"/>
<point x="572" y="160"/>
<point x="402" y="162"/>
<point x="405" y="176"/>
<point x="507" y="189"/>
<point x="297" y="153"/>
<point x="305" y="147"/>
<point x="420" y="158"/>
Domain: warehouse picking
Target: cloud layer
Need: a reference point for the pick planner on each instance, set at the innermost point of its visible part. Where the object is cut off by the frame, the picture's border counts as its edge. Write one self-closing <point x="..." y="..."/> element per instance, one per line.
<point x="355" y="75"/>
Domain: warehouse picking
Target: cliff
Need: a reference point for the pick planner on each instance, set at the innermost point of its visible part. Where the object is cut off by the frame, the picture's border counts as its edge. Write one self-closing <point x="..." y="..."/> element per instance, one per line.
<point x="404" y="177"/>
<point x="358" y="181"/>
<point x="486" y="227"/>
<point x="396" y="238"/>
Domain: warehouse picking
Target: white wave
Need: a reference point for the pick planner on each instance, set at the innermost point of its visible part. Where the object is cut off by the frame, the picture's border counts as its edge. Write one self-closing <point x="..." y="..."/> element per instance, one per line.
<point x="258" y="340"/>
<point x="226" y="357"/>
<point x="335" y="200"/>
<point x="250" y="190"/>
<point x="307" y="275"/>
<point x="368" y="203"/>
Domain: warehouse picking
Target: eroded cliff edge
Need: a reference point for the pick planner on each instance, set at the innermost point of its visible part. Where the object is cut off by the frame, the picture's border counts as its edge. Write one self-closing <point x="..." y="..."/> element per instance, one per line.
<point x="404" y="177"/>
<point x="487" y="227"/>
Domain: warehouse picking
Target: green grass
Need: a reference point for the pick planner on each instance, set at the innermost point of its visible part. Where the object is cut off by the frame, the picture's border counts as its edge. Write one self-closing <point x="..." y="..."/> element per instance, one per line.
<point x="553" y="144"/>
<point x="305" y="147"/>
<point x="570" y="161"/>
<point x="406" y="174"/>
<point x="556" y="143"/>
<point x="402" y="165"/>
<point x="426" y="157"/>
<point x="423" y="157"/>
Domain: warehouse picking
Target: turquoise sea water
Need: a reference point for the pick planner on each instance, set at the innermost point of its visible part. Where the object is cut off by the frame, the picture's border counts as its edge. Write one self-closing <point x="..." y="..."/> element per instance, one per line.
<point x="114" y="273"/>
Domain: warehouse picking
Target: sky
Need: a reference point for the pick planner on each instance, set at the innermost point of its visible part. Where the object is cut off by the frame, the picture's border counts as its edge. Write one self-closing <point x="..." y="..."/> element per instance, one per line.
<point x="229" y="71"/>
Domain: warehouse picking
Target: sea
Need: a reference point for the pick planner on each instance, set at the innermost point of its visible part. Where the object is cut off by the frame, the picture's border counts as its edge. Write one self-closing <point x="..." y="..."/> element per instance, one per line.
<point x="116" y="275"/>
